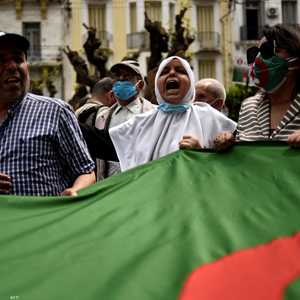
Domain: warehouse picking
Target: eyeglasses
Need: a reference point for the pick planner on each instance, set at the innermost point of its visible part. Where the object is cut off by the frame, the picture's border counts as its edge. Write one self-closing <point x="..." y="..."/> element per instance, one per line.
<point x="267" y="50"/>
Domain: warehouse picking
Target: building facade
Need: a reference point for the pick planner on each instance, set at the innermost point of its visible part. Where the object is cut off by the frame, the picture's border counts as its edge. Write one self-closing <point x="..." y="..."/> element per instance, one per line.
<point x="122" y="23"/>
<point x="43" y="24"/>
<point x="51" y="25"/>
<point x="211" y="55"/>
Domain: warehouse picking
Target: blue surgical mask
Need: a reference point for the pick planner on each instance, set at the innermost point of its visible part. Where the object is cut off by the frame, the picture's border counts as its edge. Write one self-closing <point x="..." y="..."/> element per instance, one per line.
<point x="124" y="90"/>
<point x="172" y="108"/>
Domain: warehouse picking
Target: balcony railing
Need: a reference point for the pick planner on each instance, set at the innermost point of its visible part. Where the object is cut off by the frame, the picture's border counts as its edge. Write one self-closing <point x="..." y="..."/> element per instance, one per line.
<point x="138" y="40"/>
<point x="34" y="55"/>
<point x="45" y="54"/>
<point x="208" y="40"/>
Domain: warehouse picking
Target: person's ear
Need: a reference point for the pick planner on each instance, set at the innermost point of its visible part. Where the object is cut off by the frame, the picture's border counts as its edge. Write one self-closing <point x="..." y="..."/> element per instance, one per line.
<point x="111" y="98"/>
<point x="219" y="104"/>
<point x="140" y="85"/>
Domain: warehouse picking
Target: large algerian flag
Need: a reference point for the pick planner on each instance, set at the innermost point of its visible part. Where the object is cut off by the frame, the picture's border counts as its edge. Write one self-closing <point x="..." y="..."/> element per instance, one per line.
<point x="193" y="225"/>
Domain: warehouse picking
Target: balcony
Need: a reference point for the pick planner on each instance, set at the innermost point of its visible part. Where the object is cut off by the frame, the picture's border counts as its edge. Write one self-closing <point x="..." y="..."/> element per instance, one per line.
<point x="138" y="40"/>
<point x="105" y="38"/>
<point x="45" y="55"/>
<point x="34" y="55"/>
<point x="208" y="41"/>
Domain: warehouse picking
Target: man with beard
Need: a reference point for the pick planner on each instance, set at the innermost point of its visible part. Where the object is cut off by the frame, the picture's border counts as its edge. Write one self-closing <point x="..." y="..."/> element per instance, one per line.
<point x="42" y="150"/>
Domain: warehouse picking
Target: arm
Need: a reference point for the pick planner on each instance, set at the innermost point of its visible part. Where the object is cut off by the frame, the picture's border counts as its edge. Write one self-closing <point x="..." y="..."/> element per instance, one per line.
<point x="294" y="139"/>
<point x="99" y="143"/>
<point x="5" y="183"/>
<point x="73" y="153"/>
<point x="80" y="182"/>
<point x="224" y="137"/>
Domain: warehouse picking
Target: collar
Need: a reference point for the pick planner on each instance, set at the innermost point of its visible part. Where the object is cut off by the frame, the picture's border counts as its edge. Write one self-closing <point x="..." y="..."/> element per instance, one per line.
<point x="134" y="106"/>
<point x="290" y="114"/>
<point x="15" y="106"/>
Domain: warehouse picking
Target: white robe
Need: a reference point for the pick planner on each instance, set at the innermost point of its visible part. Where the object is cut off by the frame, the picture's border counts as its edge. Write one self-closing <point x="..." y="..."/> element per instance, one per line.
<point x="154" y="134"/>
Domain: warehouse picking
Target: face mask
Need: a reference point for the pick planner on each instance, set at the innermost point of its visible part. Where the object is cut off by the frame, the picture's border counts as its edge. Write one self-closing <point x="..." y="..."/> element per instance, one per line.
<point x="269" y="74"/>
<point x="173" y="108"/>
<point x="124" y="90"/>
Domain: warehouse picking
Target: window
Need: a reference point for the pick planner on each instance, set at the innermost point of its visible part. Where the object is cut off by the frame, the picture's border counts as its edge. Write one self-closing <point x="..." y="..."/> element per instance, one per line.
<point x="252" y="24"/>
<point x="205" y="18"/>
<point x="171" y="15"/>
<point x="97" y="18"/>
<point x="207" y="69"/>
<point x="289" y="9"/>
<point x="207" y="37"/>
<point x="254" y="19"/>
<point x="32" y="31"/>
<point x="132" y="11"/>
<point x="153" y="10"/>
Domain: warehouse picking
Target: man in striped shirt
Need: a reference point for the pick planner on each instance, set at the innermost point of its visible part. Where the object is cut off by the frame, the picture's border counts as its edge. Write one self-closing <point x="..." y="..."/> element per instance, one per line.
<point x="42" y="151"/>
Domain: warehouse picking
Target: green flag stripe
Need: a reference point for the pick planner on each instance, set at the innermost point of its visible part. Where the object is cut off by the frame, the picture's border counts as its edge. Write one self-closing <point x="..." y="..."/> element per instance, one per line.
<point x="139" y="234"/>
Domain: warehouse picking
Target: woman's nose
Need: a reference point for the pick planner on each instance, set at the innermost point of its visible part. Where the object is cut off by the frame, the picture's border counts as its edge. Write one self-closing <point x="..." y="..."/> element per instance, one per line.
<point x="172" y="71"/>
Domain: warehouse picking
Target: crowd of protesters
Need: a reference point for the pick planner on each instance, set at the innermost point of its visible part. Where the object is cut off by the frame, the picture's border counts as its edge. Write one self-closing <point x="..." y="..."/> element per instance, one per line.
<point x="46" y="151"/>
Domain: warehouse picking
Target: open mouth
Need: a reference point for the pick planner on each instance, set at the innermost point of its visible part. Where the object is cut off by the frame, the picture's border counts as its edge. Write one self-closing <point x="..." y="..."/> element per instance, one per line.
<point x="172" y="85"/>
<point x="12" y="80"/>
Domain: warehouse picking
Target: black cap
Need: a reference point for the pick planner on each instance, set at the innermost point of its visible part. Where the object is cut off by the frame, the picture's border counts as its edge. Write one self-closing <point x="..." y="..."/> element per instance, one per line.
<point x="21" y="42"/>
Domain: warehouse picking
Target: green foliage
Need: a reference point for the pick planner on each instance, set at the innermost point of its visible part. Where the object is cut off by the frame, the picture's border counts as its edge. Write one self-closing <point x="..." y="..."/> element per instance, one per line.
<point x="235" y="96"/>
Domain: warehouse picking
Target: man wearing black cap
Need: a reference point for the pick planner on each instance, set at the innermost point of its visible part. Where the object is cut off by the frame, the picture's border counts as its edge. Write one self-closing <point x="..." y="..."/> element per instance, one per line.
<point x="42" y="151"/>
<point x="127" y="88"/>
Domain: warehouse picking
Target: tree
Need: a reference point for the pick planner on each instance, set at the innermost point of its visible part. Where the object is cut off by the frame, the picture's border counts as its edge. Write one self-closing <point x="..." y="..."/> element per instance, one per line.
<point x="96" y="56"/>
<point x="80" y="67"/>
<point x="158" y="41"/>
<point x="181" y="39"/>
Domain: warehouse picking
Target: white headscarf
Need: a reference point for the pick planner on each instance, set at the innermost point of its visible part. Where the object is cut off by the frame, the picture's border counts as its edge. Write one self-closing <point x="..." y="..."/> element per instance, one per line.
<point x="190" y="95"/>
<point x="154" y="134"/>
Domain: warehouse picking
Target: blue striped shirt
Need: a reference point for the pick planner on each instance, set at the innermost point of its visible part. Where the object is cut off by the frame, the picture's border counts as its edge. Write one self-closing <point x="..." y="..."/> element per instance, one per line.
<point x="41" y="147"/>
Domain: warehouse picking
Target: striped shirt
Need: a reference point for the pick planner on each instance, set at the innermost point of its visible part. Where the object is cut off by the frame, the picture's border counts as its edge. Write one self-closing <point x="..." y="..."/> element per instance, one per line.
<point x="41" y="147"/>
<point x="254" y="120"/>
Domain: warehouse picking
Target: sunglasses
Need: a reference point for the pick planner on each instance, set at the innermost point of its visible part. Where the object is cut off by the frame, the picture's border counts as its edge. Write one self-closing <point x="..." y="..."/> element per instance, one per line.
<point x="266" y="50"/>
